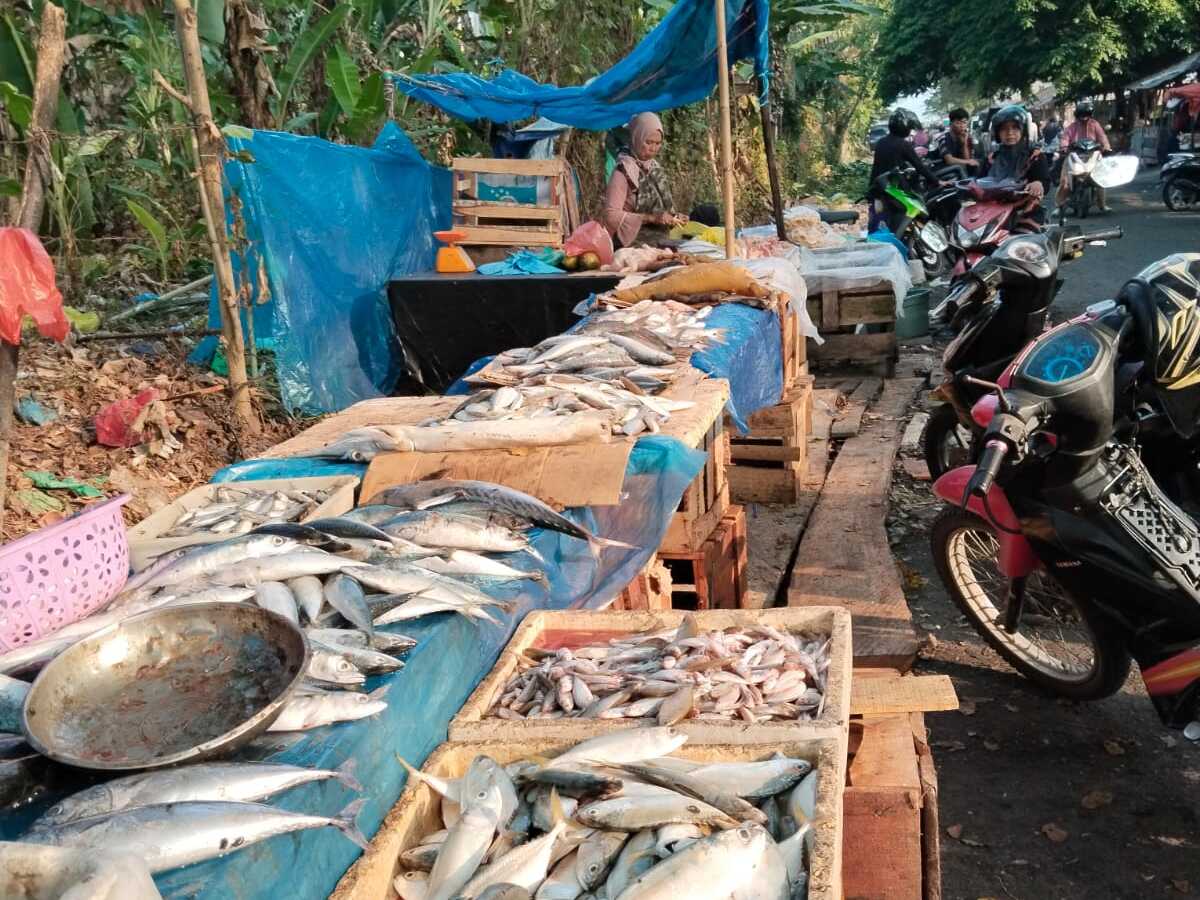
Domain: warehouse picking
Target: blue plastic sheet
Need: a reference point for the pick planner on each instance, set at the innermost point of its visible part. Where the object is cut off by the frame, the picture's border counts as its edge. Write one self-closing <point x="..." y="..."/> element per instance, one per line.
<point x="287" y="467"/>
<point x="751" y="358"/>
<point x="523" y="262"/>
<point x="331" y="225"/>
<point x="674" y="65"/>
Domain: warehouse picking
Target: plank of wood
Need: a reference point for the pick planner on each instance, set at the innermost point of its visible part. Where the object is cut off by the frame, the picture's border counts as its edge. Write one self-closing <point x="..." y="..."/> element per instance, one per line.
<point x="931" y="831"/>
<point x="915" y="693"/>
<point x="855" y="348"/>
<point x="514" y="235"/>
<point x="917" y="469"/>
<point x="883" y="859"/>
<point x="867" y="309"/>
<point x="545" y="167"/>
<point x="484" y="210"/>
<point x="844" y="558"/>
<point x="886" y="756"/>
<point x="850" y="421"/>
<point x="766" y="452"/>
<point x="911" y="441"/>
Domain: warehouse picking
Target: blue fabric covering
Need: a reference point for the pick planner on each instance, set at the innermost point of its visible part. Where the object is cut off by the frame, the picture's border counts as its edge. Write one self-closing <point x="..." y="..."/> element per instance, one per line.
<point x="332" y="224"/>
<point x="674" y="65"/>
<point x="751" y="359"/>
<point x="523" y="262"/>
<point x="883" y="235"/>
<point x="287" y="467"/>
<point x="451" y="658"/>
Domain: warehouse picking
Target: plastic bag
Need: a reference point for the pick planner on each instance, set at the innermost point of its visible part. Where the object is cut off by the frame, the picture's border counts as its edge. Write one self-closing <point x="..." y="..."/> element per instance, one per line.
<point x="117" y="424"/>
<point x="590" y="237"/>
<point x="27" y="287"/>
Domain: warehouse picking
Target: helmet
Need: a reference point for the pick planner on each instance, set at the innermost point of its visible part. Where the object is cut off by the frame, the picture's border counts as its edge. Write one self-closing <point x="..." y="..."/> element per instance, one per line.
<point x="1012" y="113"/>
<point x="1084" y="110"/>
<point x="902" y="122"/>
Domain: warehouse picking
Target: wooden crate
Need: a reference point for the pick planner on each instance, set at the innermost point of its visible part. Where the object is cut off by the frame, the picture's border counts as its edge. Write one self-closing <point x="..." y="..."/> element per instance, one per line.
<point x="837" y="312"/>
<point x="490" y="222"/>
<point x="650" y="589"/>
<point x="418" y="811"/>
<point x="714" y="575"/>
<point x="574" y="628"/>
<point x="795" y="350"/>
<point x="768" y="464"/>
<point x="705" y="500"/>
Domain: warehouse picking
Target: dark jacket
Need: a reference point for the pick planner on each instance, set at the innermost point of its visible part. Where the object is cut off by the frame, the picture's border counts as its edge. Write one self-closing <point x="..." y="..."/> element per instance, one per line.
<point x="951" y="145"/>
<point x="1019" y="162"/>
<point x="890" y="152"/>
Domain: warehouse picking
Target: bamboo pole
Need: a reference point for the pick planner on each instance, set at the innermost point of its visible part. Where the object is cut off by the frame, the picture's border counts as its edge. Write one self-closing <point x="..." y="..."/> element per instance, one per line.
<point x="726" y="132"/>
<point x="210" y="155"/>
<point x="772" y="163"/>
<point x="51" y="51"/>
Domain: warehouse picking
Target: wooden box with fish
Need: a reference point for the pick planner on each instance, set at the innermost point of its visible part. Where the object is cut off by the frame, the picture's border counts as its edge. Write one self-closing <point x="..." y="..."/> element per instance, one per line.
<point x="215" y="512"/>
<point x="768" y="464"/>
<point x="612" y="826"/>
<point x="598" y="672"/>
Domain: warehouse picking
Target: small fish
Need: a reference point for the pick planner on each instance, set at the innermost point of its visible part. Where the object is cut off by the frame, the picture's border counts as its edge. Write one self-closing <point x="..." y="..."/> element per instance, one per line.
<point x="334" y="668"/>
<point x="309" y="594"/>
<point x="344" y="527"/>
<point x="346" y="596"/>
<point x="412" y="885"/>
<point x="305" y="711"/>
<point x="651" y="811"/>
<point x="284" y="567"/>
<point x="624" y="747"/>
<point x="276" y="597"/>
<point x="738" y="864"/>
<point x="372" y="662"/>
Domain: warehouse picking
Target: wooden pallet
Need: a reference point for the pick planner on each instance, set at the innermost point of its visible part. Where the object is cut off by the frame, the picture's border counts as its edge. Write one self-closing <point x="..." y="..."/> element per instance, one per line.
<point x="498" y="223"/>
<point x="713" y="576"/>
<point x="707" y="497"/>
<point x="769" y="464"/>
<point x="837" y="312"/>
<point x="650" y="589"/>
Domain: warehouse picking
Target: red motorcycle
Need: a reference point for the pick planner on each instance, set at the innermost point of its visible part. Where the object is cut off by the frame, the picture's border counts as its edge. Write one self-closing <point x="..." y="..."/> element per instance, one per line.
<point x="997" y="213"/>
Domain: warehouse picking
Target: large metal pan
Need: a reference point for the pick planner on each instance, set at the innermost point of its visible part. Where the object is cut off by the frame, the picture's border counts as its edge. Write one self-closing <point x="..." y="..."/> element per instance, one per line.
<point x="172" y="685"/>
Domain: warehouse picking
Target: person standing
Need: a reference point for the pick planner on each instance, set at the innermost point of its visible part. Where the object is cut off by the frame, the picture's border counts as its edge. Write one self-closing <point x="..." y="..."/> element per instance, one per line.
<point x="957" y="147"/>
<point x="1084" y="128"/>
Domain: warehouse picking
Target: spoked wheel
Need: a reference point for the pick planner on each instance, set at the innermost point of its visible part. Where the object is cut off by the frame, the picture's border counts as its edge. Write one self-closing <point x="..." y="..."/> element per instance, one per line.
<point x="1061" y="642"/>
<point x="948" y="444"/>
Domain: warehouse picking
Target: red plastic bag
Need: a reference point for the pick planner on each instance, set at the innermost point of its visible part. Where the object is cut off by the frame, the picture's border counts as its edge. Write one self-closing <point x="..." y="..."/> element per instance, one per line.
<point x="27" y="287"/>
<point x="117" y="425"/>
<point x="590" y="237"/>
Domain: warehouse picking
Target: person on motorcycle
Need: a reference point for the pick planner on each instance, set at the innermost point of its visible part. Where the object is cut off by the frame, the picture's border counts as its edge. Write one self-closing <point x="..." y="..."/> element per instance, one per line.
<point x="1084" y="128"/>
<point x="1015" y="157"/>
<point x="957" y="148"/>
<point x="891" y="151"/>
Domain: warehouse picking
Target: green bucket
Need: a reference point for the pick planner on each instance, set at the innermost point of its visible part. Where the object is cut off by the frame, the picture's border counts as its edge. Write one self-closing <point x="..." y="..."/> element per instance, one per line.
<point x="914" y="316"/>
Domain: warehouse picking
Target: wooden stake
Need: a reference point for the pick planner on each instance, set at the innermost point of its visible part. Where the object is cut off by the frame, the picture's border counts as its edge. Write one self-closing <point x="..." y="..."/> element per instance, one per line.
<point x="51" y="50"/>
<point x="210" y="147"/>
<point x="772" y="163"/>
<point x="726" y="131"/>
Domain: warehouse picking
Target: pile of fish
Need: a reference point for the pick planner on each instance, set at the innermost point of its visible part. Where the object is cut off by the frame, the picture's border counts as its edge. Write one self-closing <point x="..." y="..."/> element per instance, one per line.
<point x="237" y="510"/>
<point x="755" y="674"/>
<point x="617" y="818"/>
<point x="176" y="817"/>
<point x="412" y="551"/>
<point x="614" y="363"/>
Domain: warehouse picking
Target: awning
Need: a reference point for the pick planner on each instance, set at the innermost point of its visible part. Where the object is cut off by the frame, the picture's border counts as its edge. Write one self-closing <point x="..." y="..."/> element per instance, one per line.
<point x="1170" y="73"/>
<point x="1190" y="94"/>
<point x="674" y="65"/>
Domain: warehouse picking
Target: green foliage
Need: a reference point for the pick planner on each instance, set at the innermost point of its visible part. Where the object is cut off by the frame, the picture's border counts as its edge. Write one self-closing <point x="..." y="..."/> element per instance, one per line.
<point x="18" y="106"/>
<point x="341" y="74"/>
<point x="156" y="230"/>
<point x="305" y="50"/>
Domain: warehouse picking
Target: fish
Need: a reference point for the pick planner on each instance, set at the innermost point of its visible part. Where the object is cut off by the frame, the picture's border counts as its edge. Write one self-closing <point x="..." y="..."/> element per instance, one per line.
<point x="33" y="872"/>
<point x="305" y="535"/>
<point x="739" y="864"/>
<point x="636" y="857"/>
<point x="273" y="596"/>
<point x="233" y="781"/>
<point x="576" y="783"/>
<point x="561" y="883"/>
<point x="651" y="811"/>
<point x="624" y="747"/>
<point x="426" y="494"/>
<point x="333" y="667"/>
<point x="309" y="594"/>
<point x="169" y="835"/>
<point x="346" y="596"/>
<point x="305" y="711"/>
<point x="433" y="529"/>
<point x="345" y="527"/>
<point x="464" y="562"/>
<point x="753" y="780"/>
<point x="524" y="866"/>
<point x="371" y="662"/>
<point x="13" y="692"/>
<point x="284" y="567"/>
<point x="596" y="855"/>
<point x="209" y="559"/>
<point x="411" y="885"/>
<point x="419" y="607"/>
<point x="462" y="852"/>
<point x="802" y="801"/>
<point x="728" y="803"/>
<point x="505" y="892"/>
<point x="357" y="445"/>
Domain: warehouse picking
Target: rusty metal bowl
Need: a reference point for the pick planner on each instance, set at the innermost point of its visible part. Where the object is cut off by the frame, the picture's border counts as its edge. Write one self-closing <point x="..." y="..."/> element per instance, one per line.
<point x="172" y="685"/>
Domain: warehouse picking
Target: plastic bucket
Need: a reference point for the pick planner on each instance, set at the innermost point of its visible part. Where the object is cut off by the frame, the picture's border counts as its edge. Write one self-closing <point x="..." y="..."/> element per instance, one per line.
<point x="914" y="316"/>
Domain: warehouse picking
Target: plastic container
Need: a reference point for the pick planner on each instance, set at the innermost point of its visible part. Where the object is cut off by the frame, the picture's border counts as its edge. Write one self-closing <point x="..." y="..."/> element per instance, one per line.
<point x="60" y="574"/>
<point x="913" y="320"/>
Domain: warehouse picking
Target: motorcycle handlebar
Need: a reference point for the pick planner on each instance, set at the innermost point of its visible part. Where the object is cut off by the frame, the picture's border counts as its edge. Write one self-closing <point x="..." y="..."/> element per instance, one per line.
<point x="990" y="462"/>
<point x="1108" y="234"/>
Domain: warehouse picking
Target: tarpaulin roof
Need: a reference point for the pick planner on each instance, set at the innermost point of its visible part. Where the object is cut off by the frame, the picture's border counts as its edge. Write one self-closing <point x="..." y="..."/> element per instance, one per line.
<point x="1170" y="73"/>
<point x="675" y="64"/>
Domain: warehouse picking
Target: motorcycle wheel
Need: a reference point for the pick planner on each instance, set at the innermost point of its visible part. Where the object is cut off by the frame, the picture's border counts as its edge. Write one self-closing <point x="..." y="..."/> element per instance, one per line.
<point x="1082" y="203"/>
<point x="1062" y="644"/>
<point x="935" y="264"/>
<point x="947" y="443"/>
<point x="1176" y="196"/>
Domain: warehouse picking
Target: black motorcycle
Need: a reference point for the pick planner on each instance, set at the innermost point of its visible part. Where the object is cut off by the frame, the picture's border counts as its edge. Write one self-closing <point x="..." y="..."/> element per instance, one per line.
<point x="1064" y="548"/>
<point x="998" y="307"/>
<point x="1180" y="177"/>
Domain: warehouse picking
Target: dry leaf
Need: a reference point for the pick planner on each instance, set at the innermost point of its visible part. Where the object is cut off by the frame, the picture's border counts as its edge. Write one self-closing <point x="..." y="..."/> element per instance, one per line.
<point x="1055" y="832"/>
<point x="991" y="745"/>
<point x="1096" y="799"/>
<point x="1113" y="748"/>
<point x="955" y="831"/>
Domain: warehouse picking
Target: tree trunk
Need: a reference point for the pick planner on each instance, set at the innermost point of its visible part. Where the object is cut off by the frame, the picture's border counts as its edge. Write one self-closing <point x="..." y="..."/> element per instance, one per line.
<point x="252" y="81"/>
<point x="51" y="50"/>
<point x="210" y="155"/>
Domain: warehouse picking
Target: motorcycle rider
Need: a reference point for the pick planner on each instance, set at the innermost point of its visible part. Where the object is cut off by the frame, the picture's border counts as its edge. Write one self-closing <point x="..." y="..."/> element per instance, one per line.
<point x="1085" y="127"/>
<point x="957" y="148"/>
<point x="1015" y="157"/>
<point x="892" y="150"/>
<point x="1052" y="130"/>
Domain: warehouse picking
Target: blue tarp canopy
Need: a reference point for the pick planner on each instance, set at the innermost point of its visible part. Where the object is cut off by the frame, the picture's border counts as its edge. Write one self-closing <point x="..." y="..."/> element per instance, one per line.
<point x="674" y="65"/>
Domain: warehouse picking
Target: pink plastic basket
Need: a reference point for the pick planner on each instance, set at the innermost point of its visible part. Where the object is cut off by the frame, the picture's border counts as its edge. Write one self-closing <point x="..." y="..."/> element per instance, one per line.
<point x="60" y="574"/>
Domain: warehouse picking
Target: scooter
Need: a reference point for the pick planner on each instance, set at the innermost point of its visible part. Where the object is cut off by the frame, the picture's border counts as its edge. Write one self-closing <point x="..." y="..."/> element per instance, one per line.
<point x="996" y="214"/>
<point x="1180" y="177"/>
<point x="909" y="220"/>
<point x="1080" y="162"/>
<point x="997" y="308"/>
<point x="1062" y="548"/>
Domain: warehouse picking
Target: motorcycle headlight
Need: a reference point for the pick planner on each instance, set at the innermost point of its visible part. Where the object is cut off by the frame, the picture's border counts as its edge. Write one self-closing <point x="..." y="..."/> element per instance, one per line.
<point x="1026" y="251"/>
<point x="934" y="237"/>
<point x="965" y="237"/>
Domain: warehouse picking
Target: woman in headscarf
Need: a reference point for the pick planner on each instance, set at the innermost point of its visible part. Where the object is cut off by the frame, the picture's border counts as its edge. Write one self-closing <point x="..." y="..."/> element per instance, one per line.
<point x="638" y="200"/>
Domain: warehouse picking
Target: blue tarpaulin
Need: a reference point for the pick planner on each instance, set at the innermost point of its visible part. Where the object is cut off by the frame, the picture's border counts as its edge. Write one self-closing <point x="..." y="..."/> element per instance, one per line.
<point x="451" y="657"/>
<point x="331" y="225"/>
<point x="674" y="65"/>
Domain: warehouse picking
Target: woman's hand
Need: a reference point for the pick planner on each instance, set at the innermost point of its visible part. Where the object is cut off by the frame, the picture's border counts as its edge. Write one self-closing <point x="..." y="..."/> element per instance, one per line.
<point x="1036" y="190"/>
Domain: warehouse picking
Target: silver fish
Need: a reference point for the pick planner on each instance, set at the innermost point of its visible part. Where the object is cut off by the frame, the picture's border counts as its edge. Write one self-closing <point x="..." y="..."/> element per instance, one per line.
<point x="309" y="594"/>
<point x="33" y="872"/>
<point x="636" y="857"/>
<point x="432" y="529"/>
<point x="209" y="559"/>
<point x="277" y="598"/>
<point x="171" y="835"/>
<point x="334" y="668"/>
<point x="364" y="659"/>
<point x="624" y="747"/>
<point x="650" y="811"/>
<point x="305" y="561"/>
<point x="346" y="596"/>
<point x="411" y="885"/>
<point x="231" y="781"/>
<point x="305" y="711"/>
